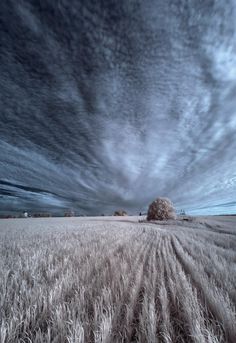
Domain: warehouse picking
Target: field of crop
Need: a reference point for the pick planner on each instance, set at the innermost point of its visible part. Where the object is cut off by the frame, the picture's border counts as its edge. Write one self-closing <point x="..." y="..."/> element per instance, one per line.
<point x="113" y="280"/>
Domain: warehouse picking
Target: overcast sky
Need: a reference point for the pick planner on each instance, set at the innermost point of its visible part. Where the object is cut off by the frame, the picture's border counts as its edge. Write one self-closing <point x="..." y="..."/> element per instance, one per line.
<point x="110" y="104"/>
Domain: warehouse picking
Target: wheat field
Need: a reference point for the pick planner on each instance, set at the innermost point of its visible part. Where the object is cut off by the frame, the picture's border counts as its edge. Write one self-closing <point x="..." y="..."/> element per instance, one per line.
<point x="114" y="280"/>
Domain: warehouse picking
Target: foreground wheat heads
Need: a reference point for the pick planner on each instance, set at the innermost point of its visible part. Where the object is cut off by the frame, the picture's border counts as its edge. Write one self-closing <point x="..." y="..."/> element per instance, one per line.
<point x="83" y="280"/>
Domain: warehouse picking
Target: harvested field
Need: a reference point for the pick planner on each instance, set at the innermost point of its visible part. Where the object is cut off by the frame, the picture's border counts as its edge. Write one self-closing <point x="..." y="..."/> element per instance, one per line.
<point x="116" y="280"/>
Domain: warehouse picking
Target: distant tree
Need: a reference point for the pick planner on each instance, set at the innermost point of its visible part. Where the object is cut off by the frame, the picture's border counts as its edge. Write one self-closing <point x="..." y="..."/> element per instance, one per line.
<point x="42" y="215"/>
<point x="120" y="213"/>
<point x="161" y="209"/>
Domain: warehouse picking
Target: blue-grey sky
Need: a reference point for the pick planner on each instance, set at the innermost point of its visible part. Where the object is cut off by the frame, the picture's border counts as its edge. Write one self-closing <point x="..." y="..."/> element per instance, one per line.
<point x="109" y="104"/>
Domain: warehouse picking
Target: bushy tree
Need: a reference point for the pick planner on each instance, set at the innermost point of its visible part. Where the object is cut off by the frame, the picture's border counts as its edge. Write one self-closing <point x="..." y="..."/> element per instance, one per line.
<point x="161" y="209"/>
<point x="120" y="213"/>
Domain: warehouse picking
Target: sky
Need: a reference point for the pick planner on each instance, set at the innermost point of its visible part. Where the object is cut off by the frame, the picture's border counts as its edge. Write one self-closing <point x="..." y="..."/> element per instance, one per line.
<point x="107" y="105"/>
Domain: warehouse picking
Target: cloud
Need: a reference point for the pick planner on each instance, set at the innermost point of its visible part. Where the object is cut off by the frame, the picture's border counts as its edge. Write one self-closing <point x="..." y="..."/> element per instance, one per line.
<point x="106" y="107"/>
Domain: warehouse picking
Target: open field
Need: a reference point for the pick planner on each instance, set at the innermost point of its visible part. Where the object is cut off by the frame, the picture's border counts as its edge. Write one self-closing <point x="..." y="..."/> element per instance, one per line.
<point x="114" y="280"/>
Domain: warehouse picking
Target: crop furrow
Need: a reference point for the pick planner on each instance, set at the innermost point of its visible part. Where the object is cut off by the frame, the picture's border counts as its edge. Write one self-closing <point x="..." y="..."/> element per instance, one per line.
<point x="217" y="305"/>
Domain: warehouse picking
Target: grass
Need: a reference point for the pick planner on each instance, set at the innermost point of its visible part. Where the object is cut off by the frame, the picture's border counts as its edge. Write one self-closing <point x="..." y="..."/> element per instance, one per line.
<point x="80" y="280"/>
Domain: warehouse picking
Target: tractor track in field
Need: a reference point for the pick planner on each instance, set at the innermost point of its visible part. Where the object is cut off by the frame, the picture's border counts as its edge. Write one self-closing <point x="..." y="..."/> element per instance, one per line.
<point x="180" y="330"/>
<point x="210" y="306"/>
<point x="122" y="317"/>
<point x="137" y="310"/>
<point x="210" y="275"/>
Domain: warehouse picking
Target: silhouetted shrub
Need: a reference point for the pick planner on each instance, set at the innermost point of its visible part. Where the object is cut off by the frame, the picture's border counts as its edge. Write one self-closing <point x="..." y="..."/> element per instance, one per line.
<point x="161" y="209"/>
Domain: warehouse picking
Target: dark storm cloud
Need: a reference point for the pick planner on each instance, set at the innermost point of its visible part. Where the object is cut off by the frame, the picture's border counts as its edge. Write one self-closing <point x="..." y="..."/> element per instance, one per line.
<point x="108" y="104"/>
